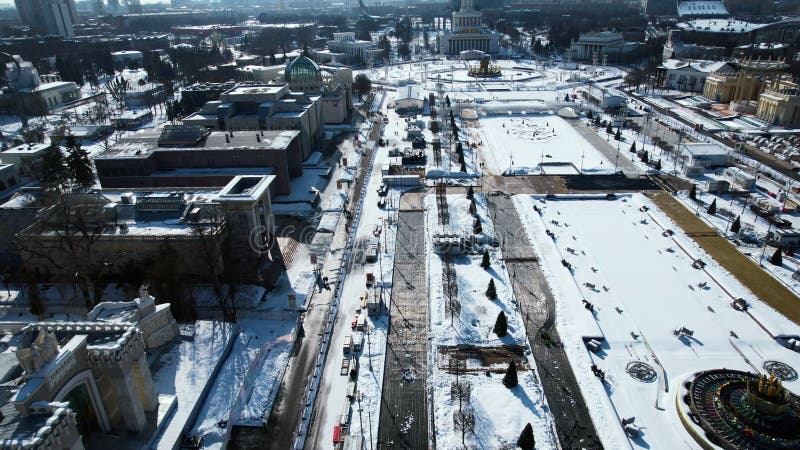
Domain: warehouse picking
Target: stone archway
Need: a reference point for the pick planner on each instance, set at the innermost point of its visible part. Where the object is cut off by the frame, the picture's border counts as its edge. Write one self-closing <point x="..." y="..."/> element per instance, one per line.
<point x="82" y="390"/>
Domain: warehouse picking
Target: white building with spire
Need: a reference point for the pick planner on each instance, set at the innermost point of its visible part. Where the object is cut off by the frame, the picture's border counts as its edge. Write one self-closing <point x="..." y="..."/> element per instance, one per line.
<point x="468" y="33"/>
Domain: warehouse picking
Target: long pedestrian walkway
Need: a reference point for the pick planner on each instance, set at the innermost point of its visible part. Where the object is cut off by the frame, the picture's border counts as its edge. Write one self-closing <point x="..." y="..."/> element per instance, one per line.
<point x="404" y="413"/>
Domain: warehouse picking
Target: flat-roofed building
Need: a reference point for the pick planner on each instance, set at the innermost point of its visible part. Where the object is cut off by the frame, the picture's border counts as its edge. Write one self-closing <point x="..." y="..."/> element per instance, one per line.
<point x="265" y="107"/>
<point x="208" y="231"/>
<point x="191" y="155"/>
<point x="704" y="155"/>
<point x="346" y="43"/>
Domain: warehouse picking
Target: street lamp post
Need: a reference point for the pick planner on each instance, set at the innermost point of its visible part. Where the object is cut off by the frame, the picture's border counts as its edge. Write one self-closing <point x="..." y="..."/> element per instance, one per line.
<point x="766" y="237"/>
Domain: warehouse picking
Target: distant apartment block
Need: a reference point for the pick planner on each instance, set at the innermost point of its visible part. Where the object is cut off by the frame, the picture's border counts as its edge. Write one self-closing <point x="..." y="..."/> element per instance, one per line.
<point x="48" y="16"/>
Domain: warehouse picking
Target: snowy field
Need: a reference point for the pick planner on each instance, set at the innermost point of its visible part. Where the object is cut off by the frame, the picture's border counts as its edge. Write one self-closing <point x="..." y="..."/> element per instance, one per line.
<point x="643" y="287"/>
<point x="519" y="144"/>
<point x="500" y="413"/>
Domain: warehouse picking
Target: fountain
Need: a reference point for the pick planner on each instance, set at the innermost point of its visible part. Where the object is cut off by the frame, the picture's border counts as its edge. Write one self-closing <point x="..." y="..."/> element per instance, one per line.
<point x="736" y="410"/>
<point x="484" y="70"/>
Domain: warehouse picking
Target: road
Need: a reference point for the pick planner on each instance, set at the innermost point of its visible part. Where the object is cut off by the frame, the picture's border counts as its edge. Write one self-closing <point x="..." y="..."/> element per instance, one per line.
<point x="404" y="413"/>
<point x="573" y="424"/>
<point x="281" y="428"/>
<point x="332" y="389"/>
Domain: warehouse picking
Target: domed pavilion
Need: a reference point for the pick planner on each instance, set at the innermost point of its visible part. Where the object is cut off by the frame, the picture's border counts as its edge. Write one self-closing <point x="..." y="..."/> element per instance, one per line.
<point x="303" y="74"/>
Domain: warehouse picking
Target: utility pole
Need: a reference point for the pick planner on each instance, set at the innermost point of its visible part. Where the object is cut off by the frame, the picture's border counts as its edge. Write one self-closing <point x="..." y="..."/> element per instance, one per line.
<point x="360" y="422"/>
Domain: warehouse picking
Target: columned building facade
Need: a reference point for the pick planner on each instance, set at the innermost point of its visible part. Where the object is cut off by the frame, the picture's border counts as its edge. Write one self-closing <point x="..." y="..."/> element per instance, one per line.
<point x="468" y="33"/>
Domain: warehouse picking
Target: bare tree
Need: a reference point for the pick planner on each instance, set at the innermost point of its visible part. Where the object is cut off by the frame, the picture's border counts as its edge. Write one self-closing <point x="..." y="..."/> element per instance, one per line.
<point x="64" y="240"/>
<point x="211" y="233"/>
<point x="461" y="390"/>
<point x="464" y="421"/>
<point x="117" y="88"/>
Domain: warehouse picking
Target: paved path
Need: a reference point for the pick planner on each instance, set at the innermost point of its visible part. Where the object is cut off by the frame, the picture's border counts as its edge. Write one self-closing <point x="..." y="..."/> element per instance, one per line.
<point x="566" y="184"/>
<point x="404" y="412"/>
<point x="610" y="152"/>
<point x="573" y="423"/>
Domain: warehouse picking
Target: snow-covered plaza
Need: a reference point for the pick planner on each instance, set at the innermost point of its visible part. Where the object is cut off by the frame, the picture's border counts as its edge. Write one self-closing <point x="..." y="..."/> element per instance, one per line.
<point x="537" y="144"/>
<point x="648" y="302"/>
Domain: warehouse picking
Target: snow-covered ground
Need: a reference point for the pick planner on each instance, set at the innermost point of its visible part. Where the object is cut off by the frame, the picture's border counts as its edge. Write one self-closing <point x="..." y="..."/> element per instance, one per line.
<point x="185" y="370"/>
<point x="247" y="382"/>
<point x="520" y="144"/>
<point x="643" y="287"/>
<point x="500" y="413"/>
<point x="753" y="227"/>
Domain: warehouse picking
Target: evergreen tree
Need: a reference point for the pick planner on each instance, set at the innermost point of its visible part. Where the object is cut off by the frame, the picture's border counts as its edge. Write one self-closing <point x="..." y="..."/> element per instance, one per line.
<point x="526" y="440"/>
<point x="566" y="97"/>
<point x="70" y="69"/>
<point x="618" y="135"/>
<point x="486" y="262"/>
<point x="54" y="173"/>
<point x="470" y="193"/>
<point x="537" y="46"/>
<point x="477" y="228"/>
<point x="386" y="48"/>
<point x="645" y="157"/>
<point x="491" y="293"/>
<point x="306" y="53"/>
<point x="633" y="147"/>
<point x="273" y="61"/>
<point x="472" y="208"/>
<point x="736" y="225"/>
<point x="464" y="169"/>
<point x="658" y="165"/>
<point x="501" y="325"/>
<point x="609" y="129"/>
<point x="510" y="379"/>
<point x="712" y="208"/>
<point x="362" y="85"/>
<point x="693" y="192"/>
<point x="79" y="164"/>
<point x="777" y="257"/>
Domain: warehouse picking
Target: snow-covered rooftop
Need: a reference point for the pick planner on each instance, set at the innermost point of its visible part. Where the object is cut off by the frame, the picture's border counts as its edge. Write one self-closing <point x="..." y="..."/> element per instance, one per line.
<point x="698" y="65"/>
<point x="702" y="8"/>
<point x="720" y="25"/>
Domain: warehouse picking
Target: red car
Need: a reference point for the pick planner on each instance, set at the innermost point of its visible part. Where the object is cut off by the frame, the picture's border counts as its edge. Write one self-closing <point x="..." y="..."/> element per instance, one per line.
<point x="354" y="322"/>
